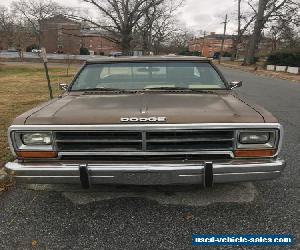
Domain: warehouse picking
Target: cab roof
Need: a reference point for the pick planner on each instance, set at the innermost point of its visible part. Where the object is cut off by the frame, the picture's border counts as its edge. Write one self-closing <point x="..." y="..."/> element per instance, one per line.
<point x="146" y="59"/>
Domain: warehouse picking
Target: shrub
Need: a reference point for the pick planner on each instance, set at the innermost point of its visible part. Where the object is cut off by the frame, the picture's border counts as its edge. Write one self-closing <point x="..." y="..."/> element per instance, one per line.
<point x="84" y="51"/>
<point x="227" y="54"/>
<point x="196" y="53"/>
<point x="186" y="52"/>
<point x="285" y="58"/>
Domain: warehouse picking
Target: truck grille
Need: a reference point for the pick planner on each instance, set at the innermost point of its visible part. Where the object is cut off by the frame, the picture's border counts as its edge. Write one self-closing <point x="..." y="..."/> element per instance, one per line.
<point x="98" y="141"/>
<point x="144" y="141"/>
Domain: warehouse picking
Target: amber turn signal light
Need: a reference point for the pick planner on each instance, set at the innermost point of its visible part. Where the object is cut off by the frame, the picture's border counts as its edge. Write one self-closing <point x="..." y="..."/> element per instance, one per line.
<point x="255" y="153"/>
<point x="36" y="154"/>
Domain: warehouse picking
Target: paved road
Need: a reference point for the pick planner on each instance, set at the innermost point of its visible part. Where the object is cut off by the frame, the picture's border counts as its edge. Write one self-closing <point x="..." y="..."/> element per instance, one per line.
<point x="161" y="219"/>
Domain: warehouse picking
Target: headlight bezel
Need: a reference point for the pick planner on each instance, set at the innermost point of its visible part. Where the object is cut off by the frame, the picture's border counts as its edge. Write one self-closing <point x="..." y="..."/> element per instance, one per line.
<point x="271" y="143"/>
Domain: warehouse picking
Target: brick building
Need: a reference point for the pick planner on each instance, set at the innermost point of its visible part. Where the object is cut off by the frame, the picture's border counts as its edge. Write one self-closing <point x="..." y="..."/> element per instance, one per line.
<point x="97" y="43"/>
<point x="211" y="44"/>
<point x="61" y="35"/>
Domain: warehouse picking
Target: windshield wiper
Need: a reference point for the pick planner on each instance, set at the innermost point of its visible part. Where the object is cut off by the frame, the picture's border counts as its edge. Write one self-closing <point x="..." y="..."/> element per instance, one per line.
<point x="180" y="88"/>
<point x="100" y="89"/>
<point x="104" y="89"/>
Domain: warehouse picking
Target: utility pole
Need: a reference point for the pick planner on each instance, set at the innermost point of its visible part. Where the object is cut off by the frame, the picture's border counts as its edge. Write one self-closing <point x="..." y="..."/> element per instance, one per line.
<point x="203" y="43"/>
<point x="223" y="39"/>
<point x="239" y="17"/>
<point x="239" y="36"/>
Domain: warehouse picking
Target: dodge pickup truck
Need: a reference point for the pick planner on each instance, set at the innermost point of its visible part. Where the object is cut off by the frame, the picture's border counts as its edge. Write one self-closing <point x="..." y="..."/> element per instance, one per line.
<point x="146" y="121"/>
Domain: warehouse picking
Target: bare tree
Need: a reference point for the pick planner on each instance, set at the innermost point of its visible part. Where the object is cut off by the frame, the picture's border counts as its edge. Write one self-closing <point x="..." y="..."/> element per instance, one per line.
<point x="267" y="11"/>
<point x="258" y="27"/>
<point x="22" y="34"/>
<point x="284" y="29"/>
<point x="144" y="29"/>
<point x="159" y="24"/>
<point x="119" y="18"/>
<point x="13" y="32"/>
<point x="245" y="19"/>
<point x="284" y="33"/>
<point x="275" y="33"/>
<point x="35" y="11"/>
<point x="179" y="41"/>
<point x="271" y="10"/>
<point x="165" y="25"/>
<point x="240" y="30"/>
<point x="6" y="26"/>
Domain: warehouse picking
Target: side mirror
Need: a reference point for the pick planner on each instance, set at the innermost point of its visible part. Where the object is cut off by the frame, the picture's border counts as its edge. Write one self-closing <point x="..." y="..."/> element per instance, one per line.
<point x="235" y="84"/>
<point x="63" y="86"/>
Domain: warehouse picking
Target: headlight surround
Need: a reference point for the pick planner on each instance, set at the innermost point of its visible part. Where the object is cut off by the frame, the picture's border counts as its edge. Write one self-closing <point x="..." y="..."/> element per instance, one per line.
<point x="257" y="139"/>
<point x="37" y="138"/>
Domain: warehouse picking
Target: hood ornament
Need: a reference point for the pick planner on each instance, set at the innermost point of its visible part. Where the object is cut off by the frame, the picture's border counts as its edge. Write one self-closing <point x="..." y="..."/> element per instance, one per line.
<point x="144" y="119"/>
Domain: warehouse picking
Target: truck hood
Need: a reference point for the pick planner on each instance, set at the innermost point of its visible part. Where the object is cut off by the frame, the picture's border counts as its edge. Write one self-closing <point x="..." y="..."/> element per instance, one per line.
<point x="103" y="108"/>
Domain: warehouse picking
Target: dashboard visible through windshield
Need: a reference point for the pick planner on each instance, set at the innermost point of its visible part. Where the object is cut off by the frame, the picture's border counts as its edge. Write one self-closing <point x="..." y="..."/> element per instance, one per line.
<point x="148" y="75"/>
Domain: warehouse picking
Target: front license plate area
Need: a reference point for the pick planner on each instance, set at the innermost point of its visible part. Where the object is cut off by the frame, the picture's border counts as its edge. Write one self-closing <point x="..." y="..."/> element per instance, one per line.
<point x="151" y="178"/>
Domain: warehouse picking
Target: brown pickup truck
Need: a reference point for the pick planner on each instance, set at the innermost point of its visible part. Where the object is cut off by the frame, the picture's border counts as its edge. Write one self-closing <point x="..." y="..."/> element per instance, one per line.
<point x="146" y="121"/>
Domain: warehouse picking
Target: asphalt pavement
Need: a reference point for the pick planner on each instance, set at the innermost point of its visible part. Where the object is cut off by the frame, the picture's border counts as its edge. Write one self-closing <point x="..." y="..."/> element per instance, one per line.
<point x="57" y="217"/>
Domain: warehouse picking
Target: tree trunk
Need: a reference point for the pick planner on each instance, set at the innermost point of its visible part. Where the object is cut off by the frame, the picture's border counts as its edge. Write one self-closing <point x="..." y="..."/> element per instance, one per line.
<point x="125" y="43"/>
<point x="258" y="27"/>
<point x="145" y="42"/>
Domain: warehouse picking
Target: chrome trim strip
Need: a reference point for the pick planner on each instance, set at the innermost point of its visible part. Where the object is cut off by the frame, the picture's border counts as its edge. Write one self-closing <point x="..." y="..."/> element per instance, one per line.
<point x="189" y="175"/>
<point x="140" y="153"/>
<point x="148" y="127"/>
<point x="247" y="173"/>
<point x="237" y="166"/>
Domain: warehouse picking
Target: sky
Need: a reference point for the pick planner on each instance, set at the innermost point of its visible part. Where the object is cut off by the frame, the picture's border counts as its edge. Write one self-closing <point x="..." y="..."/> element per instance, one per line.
<point x="196" y="15"/>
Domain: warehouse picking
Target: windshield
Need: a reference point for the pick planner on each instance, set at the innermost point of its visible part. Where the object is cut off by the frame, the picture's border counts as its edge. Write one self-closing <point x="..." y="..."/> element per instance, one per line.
<point x="148" y="75"/>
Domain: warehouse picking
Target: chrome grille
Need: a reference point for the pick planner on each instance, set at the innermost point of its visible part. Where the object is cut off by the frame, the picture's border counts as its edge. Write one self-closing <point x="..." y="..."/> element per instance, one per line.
<point x="189" y="140"/>
<point x="145" y="141"/>
<point x="98" y="141"/>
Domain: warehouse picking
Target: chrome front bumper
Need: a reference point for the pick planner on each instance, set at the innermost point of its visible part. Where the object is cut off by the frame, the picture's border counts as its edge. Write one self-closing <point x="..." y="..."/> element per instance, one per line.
<point x="146" y="174"/>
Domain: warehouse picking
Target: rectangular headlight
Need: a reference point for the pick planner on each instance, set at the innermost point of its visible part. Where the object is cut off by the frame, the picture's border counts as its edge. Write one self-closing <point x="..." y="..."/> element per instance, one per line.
<point x="254" y="137"/>
<point x="32" y="140"/>
<point x="257" y="139"/>
<point x="40" y="138"/>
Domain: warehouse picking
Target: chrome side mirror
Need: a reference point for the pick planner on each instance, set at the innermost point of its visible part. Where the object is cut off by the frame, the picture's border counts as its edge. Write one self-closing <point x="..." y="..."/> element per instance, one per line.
<point x="235" y="84"/>
<point x="63" y="86"/>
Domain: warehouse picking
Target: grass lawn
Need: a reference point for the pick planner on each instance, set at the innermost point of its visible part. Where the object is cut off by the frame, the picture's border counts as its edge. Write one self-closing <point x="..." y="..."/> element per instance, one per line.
<point x="22" y="88"/>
